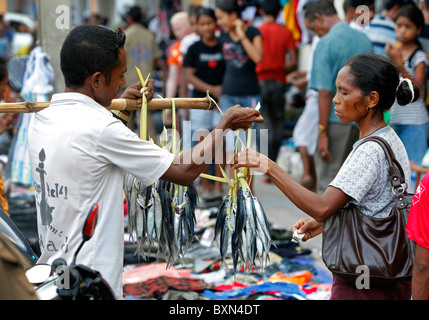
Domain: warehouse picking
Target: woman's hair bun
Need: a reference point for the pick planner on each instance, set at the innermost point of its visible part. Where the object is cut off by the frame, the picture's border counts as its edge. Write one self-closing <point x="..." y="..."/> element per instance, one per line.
<point x="406" y="92"/>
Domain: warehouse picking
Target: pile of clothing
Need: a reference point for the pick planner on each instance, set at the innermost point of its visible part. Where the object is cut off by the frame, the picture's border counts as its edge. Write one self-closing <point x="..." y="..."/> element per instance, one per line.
<point x="201" y="275"/>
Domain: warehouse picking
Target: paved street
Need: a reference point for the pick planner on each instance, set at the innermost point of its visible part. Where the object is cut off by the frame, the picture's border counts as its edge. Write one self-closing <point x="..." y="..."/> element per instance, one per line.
<point x="282" y="213"/>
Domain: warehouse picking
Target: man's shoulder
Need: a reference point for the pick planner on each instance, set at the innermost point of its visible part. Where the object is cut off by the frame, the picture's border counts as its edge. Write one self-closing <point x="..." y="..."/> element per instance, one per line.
<point x="345" y="35"/>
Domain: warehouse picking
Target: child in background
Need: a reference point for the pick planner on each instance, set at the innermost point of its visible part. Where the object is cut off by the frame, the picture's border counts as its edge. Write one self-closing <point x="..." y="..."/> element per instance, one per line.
<point x="242" y="49"/>
<point x="410" y="122"/>
<point x="204" y="68"/>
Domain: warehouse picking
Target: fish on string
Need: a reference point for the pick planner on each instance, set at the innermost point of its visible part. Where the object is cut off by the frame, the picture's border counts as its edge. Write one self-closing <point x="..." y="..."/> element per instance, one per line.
<point x="241" y="225"/>
<point x="161" y="216"/>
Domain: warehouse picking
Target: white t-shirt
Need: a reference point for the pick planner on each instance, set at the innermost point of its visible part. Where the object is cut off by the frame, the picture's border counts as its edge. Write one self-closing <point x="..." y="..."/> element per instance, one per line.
<point x="364" y="175"/>
<point x="79" y="153"/>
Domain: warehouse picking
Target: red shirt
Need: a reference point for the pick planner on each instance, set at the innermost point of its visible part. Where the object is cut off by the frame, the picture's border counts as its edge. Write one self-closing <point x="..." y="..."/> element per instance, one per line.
<point x="418" y="218"/>
<point x="277" y="40"/>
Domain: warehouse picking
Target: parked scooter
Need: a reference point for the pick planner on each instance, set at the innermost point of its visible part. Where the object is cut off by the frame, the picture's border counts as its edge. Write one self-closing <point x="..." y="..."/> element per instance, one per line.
<point x="74" y="282"/>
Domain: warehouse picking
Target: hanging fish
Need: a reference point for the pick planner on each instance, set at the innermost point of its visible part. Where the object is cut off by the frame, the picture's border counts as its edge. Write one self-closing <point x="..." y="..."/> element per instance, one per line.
<point x="162" y="215"/>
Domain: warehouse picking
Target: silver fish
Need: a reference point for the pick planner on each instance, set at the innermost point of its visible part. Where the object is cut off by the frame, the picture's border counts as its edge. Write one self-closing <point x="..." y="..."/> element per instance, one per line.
<point x="158" y="212"/>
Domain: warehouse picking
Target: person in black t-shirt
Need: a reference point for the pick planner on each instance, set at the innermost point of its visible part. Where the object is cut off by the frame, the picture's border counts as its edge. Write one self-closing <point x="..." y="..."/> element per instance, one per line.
<point x="204" y="68"/>
<point x="243" y="49"/>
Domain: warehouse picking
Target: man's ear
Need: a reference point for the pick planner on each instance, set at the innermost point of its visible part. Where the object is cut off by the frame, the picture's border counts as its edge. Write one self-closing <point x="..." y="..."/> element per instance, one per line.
<point x="96" y="79"/>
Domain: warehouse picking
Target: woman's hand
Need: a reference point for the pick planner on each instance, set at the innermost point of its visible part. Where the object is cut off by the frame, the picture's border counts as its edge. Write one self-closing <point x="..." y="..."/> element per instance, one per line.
<point x="251" y="159"/>
<point x="394" y="53"/>
<point x="309" y="226"/>
<point x="240" y="28"/>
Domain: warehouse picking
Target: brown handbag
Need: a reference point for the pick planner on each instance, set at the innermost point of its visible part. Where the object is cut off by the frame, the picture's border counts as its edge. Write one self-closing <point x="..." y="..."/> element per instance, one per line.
<point x="352" y="239"/>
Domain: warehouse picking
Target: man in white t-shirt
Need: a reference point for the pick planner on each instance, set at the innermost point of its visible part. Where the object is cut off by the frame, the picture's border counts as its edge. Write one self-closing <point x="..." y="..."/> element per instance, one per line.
<point x="79" y="152"/>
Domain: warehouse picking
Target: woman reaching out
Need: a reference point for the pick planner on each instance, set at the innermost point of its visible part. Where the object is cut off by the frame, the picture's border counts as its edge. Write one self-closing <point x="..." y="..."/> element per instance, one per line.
<point x="366" y="87"/>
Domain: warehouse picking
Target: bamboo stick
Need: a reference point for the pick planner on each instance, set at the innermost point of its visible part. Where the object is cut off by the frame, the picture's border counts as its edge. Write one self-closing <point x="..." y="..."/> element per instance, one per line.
<point x="117" y="104"/>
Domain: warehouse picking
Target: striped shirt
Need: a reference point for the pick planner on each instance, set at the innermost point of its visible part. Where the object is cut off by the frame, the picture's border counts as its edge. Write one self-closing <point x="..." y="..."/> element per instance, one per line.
<point x="413" y="113"/>
<point x="381" y="31"/>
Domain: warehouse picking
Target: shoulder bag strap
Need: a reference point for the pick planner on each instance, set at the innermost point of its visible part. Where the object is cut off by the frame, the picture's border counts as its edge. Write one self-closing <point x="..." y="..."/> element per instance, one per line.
<point x="396" y="173"/>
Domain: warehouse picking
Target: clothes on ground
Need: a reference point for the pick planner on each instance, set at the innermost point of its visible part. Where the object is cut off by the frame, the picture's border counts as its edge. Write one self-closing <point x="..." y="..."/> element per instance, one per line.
<point x="159" y="285"/>
<point x="203" y="277"/>
<point x="79" y="153"/>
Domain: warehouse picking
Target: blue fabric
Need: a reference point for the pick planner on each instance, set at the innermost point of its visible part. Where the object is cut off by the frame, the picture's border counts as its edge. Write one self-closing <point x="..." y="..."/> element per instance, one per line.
<point x="285" y="289"/>
<point x="333" y="50"/>
<point x="414" y="139"/>
<point x="381" y="31"/>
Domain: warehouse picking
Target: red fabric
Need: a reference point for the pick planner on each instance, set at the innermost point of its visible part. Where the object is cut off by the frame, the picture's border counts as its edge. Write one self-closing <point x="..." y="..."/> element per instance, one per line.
<point x="277" y="40"/>
<point x="153" y="270"/>
<point x="228" y="287"/>
<point x="418" y="218"/>
<point x="160" y="285"/>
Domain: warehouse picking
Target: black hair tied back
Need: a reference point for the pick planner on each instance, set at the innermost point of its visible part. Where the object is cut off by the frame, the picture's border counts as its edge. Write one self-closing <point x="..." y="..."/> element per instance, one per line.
<point x="406" y="92"/>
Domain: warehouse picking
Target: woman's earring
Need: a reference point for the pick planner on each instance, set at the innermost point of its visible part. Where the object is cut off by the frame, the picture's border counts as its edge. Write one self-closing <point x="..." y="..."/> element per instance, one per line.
<point x="369" y="109"/>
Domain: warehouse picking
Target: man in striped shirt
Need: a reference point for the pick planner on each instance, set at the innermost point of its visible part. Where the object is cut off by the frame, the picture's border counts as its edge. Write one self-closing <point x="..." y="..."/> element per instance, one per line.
<point x="381" y="30"/>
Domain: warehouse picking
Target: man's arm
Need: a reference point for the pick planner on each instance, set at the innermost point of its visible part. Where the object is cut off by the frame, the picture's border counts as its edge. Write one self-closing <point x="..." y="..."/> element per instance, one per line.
<point x="420" y="280"/>
<point x="186" y="168"/>
<point x="325" y="99"/>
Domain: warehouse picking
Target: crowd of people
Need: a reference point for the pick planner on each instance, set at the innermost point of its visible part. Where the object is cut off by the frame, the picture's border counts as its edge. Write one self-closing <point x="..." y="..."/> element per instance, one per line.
<point x="363" y="78"/>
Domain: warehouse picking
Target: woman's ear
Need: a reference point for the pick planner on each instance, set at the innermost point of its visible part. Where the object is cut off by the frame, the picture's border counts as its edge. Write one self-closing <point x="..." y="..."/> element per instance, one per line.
<point x="372" y="99"/>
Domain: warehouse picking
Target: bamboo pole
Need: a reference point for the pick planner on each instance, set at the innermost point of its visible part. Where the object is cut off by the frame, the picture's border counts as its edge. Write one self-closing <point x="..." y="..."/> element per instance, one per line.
<point x="117" y="104"/>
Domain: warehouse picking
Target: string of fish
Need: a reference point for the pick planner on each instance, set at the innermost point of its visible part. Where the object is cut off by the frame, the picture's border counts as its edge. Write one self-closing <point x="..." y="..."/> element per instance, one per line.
<point x="241" y="224"/>
<point x="160" y="216"/>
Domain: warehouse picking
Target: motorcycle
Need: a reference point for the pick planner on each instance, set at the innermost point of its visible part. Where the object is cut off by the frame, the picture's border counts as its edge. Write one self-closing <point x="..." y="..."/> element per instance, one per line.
<point x="60" y="281"/>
